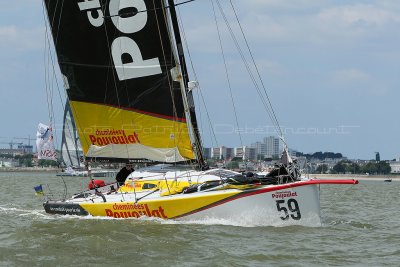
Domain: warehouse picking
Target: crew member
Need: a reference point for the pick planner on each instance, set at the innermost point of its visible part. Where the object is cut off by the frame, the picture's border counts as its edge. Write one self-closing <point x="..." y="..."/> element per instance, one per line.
<point x="124" y="173"/>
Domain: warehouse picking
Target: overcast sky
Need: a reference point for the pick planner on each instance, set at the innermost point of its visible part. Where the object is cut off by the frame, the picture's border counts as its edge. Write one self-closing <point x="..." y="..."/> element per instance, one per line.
<point x="331" y="68"/>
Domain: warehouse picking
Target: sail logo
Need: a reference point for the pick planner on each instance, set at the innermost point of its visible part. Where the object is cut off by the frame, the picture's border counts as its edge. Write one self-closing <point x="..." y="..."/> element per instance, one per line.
<point x="47" y="154"/>
<point x="126" y="54"/>
<point x="134" y="210"/>
<point x="284" y="194"/>
<point x="103" y="138"/>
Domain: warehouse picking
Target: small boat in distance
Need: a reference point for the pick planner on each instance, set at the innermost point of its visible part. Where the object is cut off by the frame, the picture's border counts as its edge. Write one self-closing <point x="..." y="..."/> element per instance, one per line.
<point x="82" y="172"/>
<point x="388" y="180"/>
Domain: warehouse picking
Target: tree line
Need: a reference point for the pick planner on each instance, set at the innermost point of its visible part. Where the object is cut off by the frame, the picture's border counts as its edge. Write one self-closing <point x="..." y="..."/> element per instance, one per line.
<point x="320" y="155"/>
<point x="380" y="167"/>
<point x="27" y="160"/>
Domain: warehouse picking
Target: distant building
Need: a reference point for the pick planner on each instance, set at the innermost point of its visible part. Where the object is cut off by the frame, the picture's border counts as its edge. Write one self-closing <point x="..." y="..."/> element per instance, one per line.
<point x="8" y="163"/>
<point x="215" y="153"/>
<point x="222" y="152"/>
<point x="377" y="156"/>
<point x="395" y="166"/>
<point x="28" y="149"/>
<point x="261" y="149"/>
<point x="250" y="153"/>
<point x="230" y="153"/>
<point x="207" y="152"/>
<point x="272" y="144"/>
<point x="21" y="150"/>
<point x="239" y="152"/>
<point x="12" y="151"/>
<point x="248" y="166"/>
<point x="245" y="152"/>
<point x="293" y="152"/>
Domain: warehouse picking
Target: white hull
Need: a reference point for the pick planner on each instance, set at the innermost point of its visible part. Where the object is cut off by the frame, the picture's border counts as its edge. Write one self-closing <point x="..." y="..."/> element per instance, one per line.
<point x="294" y="203"/>
<point x="262" y="209"/>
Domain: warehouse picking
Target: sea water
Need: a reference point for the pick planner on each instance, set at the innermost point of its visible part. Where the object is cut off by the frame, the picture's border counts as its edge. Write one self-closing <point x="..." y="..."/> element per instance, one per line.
<point x="360" y="227"/>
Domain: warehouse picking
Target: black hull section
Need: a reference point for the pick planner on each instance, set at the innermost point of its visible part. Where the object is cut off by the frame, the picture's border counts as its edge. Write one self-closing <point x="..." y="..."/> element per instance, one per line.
<point x="64" y="208"/>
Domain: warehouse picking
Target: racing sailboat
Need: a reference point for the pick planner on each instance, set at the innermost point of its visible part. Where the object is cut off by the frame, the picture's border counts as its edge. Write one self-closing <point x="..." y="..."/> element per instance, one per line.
<point x="127" y="83"/>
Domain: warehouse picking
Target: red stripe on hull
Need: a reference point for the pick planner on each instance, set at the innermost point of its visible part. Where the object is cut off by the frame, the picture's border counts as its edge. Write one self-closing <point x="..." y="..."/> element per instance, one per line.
<point x="252" y="192"/>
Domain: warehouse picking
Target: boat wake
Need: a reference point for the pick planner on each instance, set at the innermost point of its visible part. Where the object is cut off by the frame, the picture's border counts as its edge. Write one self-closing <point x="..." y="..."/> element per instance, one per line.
<point x="248" y="221"/>
<point x="352" y="223"/>
<point x="20" y="212"/>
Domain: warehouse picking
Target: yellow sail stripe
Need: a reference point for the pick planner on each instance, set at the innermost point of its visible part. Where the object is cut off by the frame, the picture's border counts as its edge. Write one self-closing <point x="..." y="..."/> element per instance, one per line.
<point x="101" y="125"/>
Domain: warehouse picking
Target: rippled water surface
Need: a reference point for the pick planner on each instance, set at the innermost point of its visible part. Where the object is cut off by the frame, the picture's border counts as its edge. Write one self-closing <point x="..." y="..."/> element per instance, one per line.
<point x="361" y="227"/>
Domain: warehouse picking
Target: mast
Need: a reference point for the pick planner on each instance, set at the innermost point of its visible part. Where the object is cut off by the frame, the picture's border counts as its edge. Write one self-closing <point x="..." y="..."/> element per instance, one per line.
<point x="188" y="94"/>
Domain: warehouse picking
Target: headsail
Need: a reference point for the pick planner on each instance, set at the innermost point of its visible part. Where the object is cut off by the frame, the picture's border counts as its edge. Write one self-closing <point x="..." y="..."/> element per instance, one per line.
<point x="71" y="148"/>
<point x="122" y="79"/>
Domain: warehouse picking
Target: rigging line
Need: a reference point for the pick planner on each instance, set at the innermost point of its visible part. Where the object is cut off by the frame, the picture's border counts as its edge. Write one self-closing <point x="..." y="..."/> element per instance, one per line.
<point x="45" y="61"/>
<point x="48" y="88"/>
<point x="48" y="45"/>
<point x="69" y="123"/>
<point x="180" y="60"/>
<point x="255" y="65"/>
<point x="170" y="81"/>
<point x="54" y="71"/>
<point x="146" y="10"/>
<point x="51" y="91"/>
<point x="196" y="78"/>
<point x="47" y="48"/>
<point x="185" y="44"/>
<point x="113" y="74"/>
<point x="227" y="74"/>
<point x="46" y="83"/>
<point x="123" y="86"/>
<point x="247" y="66"/>
<point x="51" y="20"/>
<point x="238" y="46"/>
<point x="175" y="55"/>
<point x="59" y="22"/>
<point x="125" y="82"/>
<point x="188" y="95"/>
<point x="91" y="65"/>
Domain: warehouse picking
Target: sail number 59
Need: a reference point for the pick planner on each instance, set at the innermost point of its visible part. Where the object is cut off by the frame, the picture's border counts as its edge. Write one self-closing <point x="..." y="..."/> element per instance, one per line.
<point x="290" y="209"/>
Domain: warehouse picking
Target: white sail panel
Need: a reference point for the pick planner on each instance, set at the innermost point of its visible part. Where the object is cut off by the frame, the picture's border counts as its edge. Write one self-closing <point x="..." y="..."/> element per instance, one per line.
<point x="71" y="148"/>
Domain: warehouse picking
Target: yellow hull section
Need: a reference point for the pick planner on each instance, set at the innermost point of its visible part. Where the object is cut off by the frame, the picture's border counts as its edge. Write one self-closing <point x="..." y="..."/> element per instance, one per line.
<point x="166" y="187"/>
<point x="167" y="207"/>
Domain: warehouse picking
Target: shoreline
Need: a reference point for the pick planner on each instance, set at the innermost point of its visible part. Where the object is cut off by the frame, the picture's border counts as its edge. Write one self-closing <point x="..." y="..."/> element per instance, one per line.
<point x="30" y="169"/>
<point x="359" y="177"/>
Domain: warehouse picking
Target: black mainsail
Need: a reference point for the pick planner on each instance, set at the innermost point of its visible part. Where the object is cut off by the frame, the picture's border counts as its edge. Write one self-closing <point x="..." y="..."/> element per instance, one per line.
<point x="123" y="79"/>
